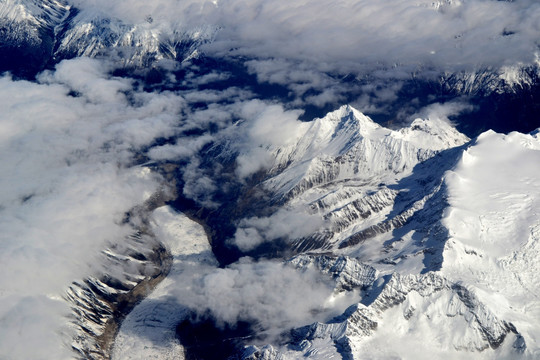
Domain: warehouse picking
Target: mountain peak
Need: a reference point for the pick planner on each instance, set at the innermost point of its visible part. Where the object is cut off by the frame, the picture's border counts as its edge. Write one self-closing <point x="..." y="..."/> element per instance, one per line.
<point x="347" y="145"/>
<point x="347" y="116"/>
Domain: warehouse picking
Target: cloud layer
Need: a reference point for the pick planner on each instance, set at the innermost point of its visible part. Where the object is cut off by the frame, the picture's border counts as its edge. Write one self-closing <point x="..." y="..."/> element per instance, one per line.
<point x="346" y="35"/>
<point x="271" y="295"/>
<point x="285" y="224"/>
<point x="67" y="143"/>
<point x="68" y="146"/>
<point x="355" y="51"/>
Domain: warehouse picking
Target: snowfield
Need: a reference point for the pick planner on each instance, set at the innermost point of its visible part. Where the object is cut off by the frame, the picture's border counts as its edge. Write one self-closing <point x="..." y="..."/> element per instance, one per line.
<point x="494" y="223"/>
<point x="149" y="331"/>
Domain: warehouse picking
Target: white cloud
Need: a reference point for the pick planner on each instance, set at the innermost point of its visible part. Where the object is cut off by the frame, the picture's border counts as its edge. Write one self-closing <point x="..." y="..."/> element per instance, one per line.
<point x="441" y="111"/>
<point x="175" y="11"/>
<point x="198" y="185"/>
<point x="270" y="294"/>
<point x="66" y="185"/>
<point x="271" y="124"/>
<point x="183" y="148"/>
<point x="89" y="77"/>
<point x="398" y="31"/>
<point x="299" y="77"/>
<point x="309" y="47"/>
<point x="347" y="35"/>
<point x="26" y="328"/>
<point x="268" y="126"/>
<point x="255" y="160"/>
<point x="247" y="239"/>
<point x="287" y="224"/>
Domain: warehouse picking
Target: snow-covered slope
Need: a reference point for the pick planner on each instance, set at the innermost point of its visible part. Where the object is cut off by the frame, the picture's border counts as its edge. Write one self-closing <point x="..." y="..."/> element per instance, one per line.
<point x="493" y="222"/>
<point x="346" y="145"/>
<point x="136" y="45"/>
<point x="428" y="312"/>
<point x="360" y="179"/>
<point x="478" y="299"/>
<point x="149" y="330"/>
<point x="22" y="21"/>
<point x="29" y="31"/>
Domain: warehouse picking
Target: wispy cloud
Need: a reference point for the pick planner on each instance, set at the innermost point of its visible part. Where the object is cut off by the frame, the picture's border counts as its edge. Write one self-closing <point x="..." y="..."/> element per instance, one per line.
<point x="273" y="296"/>
<point x="68" y="140"/>
<point x="310" y="46"/>
<point x="346" y="35"/>
<point x="66" y="143"/>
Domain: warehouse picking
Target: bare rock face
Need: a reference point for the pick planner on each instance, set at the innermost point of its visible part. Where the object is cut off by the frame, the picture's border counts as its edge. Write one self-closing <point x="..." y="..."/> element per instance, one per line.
<point x="348" y="273"/>
<point x="100" y="303"/>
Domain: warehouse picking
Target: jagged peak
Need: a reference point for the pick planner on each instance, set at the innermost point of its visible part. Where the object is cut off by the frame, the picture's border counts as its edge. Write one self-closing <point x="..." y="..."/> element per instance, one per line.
<point x="350" y="118"/>
<point x="337" y="131"/>
<point x="39" y="13"/>
<point x="347" y="121"/>
<point x="346" y="144"/>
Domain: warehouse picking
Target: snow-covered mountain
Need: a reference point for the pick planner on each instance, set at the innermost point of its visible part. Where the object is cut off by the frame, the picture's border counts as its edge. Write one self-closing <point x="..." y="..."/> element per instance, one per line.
<point x="190" y="180"/>
<point x="399" y="231"/>
<point x="29" y="31"/>
<point x="135" y="45"/>
<point x="454" y="276"/>
<point x="359" y="178"/>
<point x="39" y="34"/>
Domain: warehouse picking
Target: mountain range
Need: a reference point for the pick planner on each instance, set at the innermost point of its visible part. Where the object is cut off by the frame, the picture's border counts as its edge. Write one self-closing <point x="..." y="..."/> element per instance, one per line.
<point x="213" y="180"/>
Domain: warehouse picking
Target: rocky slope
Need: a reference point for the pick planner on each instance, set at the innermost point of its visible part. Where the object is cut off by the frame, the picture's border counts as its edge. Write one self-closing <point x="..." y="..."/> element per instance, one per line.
<point x="39" y="34"/>
<point x="454" y="277"/>
<point x="360" y="179"/>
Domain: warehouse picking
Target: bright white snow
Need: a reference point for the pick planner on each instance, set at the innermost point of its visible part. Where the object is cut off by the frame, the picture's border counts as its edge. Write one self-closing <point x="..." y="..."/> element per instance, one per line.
<point x="486" y="291"/>
<point x="494" y="223"/>
<point x="148" y="332"/>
